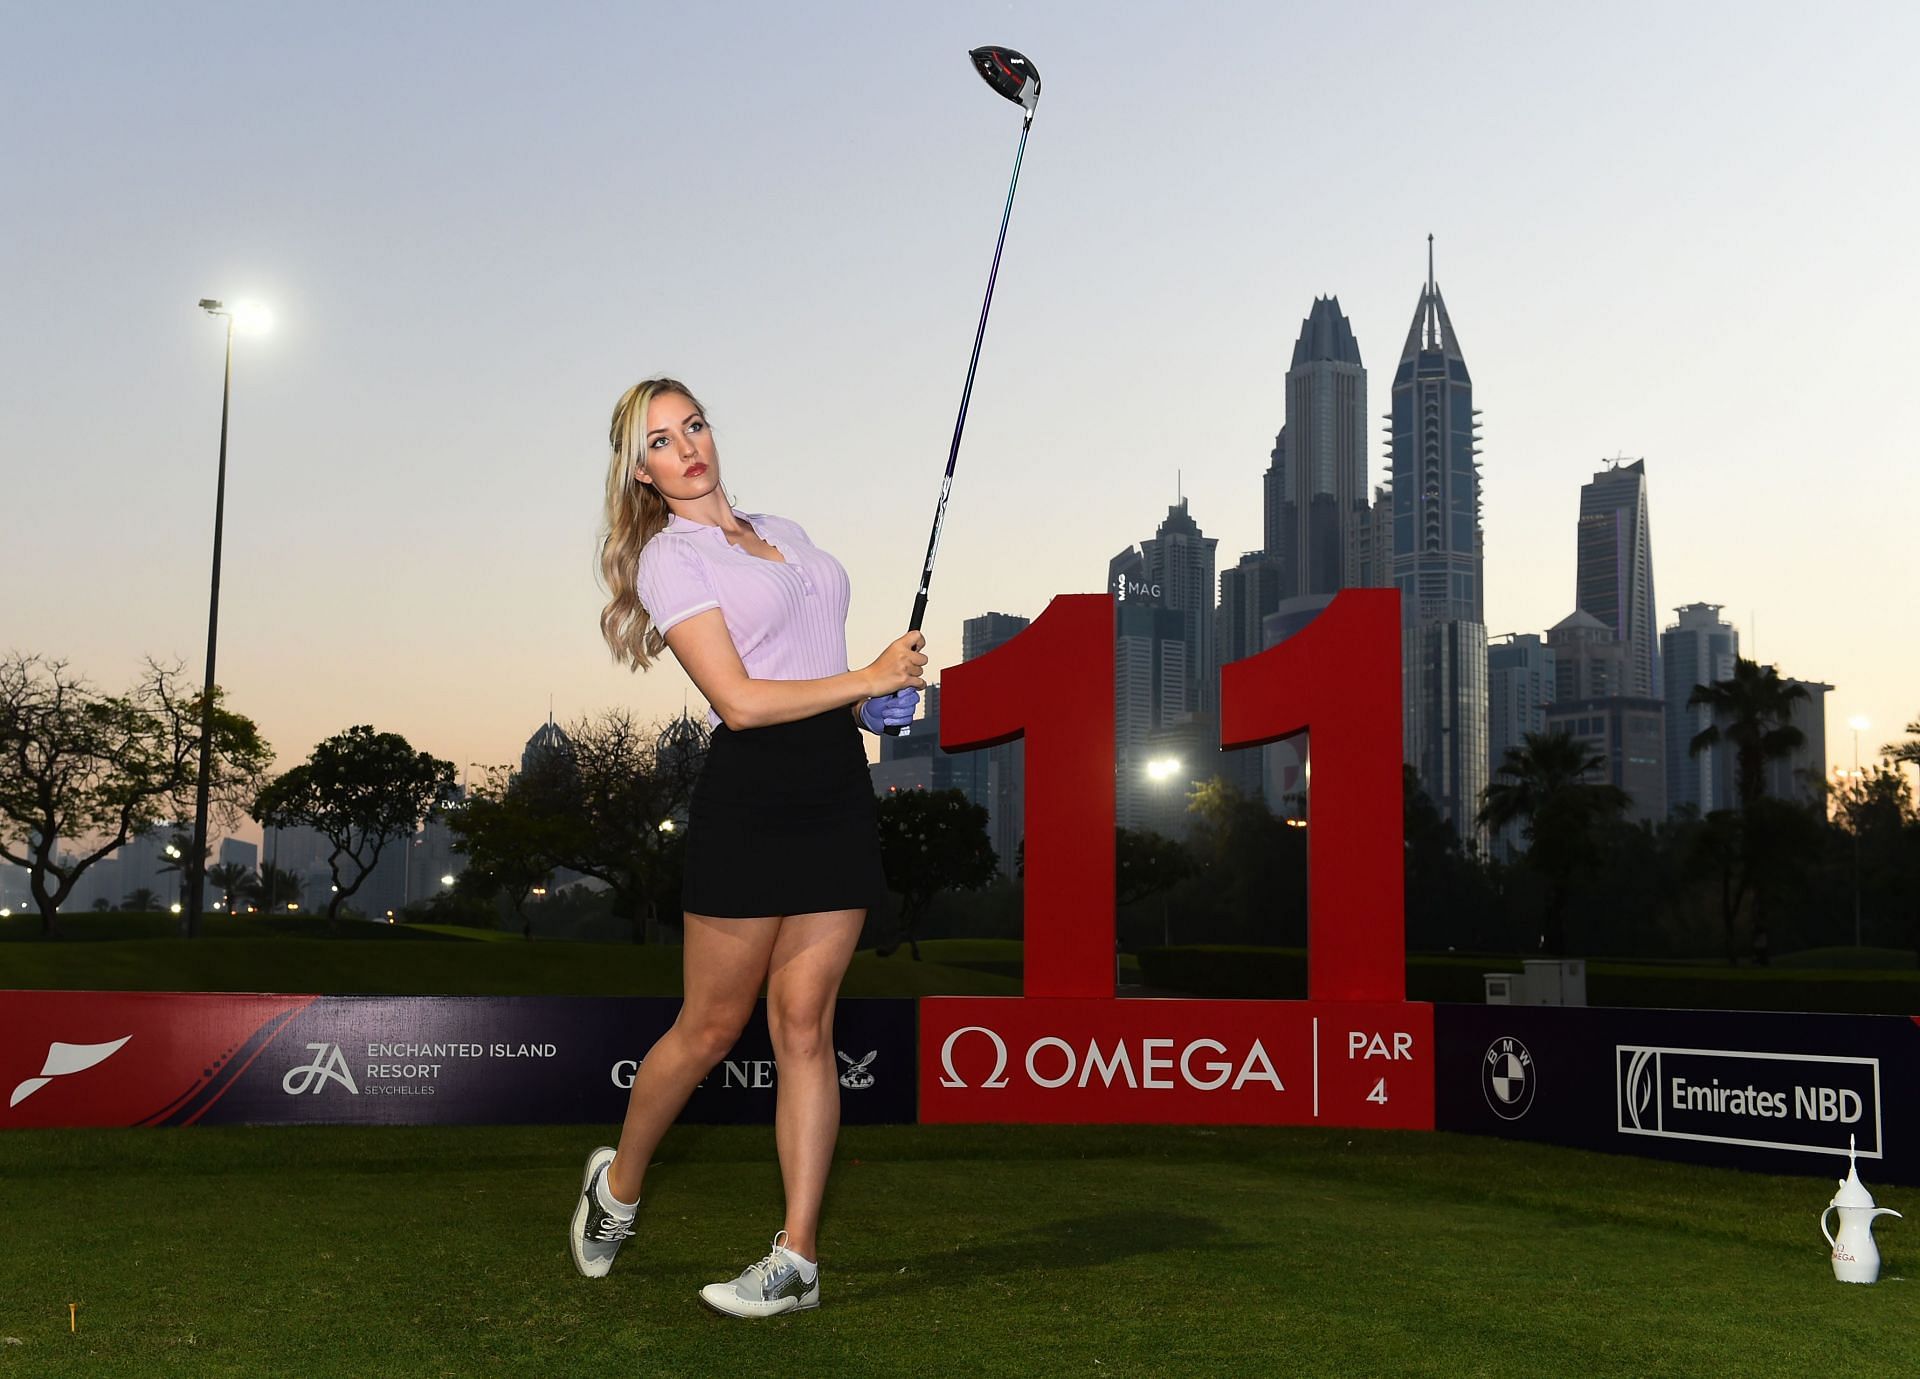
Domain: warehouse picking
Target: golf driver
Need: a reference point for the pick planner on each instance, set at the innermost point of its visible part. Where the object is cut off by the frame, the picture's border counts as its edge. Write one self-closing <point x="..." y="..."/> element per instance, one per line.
<point x="1014" y="77"/>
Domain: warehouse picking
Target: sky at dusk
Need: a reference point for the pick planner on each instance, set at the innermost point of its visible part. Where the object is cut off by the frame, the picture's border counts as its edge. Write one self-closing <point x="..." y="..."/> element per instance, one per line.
<point x="1682" y="233"/>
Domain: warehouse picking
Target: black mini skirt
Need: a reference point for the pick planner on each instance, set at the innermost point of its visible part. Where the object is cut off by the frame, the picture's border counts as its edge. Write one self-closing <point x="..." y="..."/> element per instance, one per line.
<point x="783" y="822"/>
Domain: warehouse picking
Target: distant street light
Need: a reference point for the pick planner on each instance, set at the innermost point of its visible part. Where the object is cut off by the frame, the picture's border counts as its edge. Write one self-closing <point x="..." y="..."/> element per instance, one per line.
<point x="1161" y="768"/>
<point x="176" y="907"/>
<point x="447" y="880"/>
<point x="666" y="825"/>
<point x="253" y="318"/>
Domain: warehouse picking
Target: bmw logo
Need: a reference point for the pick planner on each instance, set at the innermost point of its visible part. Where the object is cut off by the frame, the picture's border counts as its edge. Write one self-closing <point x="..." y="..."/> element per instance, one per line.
<point x="1506" y="1078"/>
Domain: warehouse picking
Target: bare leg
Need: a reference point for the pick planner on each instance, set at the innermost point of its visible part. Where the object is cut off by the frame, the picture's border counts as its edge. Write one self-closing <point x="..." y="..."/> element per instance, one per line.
<point x="809" y="959"/>
<point x="725" y="962"/>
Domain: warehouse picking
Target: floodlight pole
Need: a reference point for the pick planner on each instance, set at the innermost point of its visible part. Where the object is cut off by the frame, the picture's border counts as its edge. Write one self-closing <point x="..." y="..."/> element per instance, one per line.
<point x="197" y="863"/>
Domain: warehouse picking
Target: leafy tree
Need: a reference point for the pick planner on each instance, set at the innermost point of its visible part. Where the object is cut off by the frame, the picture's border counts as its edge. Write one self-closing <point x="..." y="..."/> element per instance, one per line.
<point x="510" y="838"/>
<point x="931" y="841"/>
<point x="1543" y="786"/>
<point x="616" y="797"/>
<point x="1754" y="711"/>
<point x="77" y="764"/>
<point x="1252" y="861"/>
<point x="360" y="790"/>
<point x="1146" y="863"/>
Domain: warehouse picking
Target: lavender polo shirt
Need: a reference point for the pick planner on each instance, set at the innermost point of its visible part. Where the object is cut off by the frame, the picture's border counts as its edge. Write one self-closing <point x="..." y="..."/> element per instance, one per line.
<point x="788" y="620"/>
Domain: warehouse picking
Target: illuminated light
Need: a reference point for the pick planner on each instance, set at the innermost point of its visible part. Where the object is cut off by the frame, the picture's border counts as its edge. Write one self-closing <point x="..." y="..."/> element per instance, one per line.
<point x="251" y="317"/>
<point x="176" y="907"/>
<point x="293" y="904"/>
<point x="1162" y="768"/>
<point x="666" y="825"/>
<point x="1859" y="723"/>
<point x="447" y="880"/>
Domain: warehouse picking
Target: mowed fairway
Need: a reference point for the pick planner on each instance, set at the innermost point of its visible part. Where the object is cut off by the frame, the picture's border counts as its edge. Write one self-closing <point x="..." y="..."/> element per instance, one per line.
<point x="948" y="1250"/>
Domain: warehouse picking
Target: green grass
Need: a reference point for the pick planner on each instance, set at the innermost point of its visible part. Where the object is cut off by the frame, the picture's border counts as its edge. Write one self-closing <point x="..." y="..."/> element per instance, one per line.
<point x="387" y="967"/>
<point x="949" y="1251"/>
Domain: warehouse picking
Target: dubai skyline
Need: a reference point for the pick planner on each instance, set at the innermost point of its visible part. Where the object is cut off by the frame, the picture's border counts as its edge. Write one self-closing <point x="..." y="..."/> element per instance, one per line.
<point x="1667" y="241"/>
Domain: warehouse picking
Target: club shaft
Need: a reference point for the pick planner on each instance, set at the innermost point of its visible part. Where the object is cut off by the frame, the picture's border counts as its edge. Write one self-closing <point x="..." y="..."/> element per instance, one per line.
<point x="966" y="393"/>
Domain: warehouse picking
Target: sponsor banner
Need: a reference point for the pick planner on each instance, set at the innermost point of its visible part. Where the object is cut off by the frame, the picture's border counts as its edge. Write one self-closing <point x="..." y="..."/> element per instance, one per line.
<point x="1172" y="1062"/>
<point x="1771" y="1092"/>
<point x="74" y="1058"/>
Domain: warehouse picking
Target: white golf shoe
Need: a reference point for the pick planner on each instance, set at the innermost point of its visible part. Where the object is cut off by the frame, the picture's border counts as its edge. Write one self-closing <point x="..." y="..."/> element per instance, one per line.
<point x="780" y="1282"/>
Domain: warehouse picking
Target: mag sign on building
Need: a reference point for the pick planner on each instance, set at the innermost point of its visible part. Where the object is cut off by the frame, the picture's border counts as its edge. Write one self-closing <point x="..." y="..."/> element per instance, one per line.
<point x="1356" y="1052"/>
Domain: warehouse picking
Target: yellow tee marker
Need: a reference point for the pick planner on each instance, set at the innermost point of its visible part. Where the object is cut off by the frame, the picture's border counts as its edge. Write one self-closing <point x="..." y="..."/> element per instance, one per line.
<point x="73" y="1316"/>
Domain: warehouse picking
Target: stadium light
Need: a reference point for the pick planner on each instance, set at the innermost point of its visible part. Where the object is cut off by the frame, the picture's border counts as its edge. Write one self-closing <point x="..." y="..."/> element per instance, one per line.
<point x="1162" y="768"/>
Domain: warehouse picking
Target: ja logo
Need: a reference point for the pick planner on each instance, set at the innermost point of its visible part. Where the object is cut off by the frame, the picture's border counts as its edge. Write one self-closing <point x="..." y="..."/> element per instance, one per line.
<point x="329" y="1065"/>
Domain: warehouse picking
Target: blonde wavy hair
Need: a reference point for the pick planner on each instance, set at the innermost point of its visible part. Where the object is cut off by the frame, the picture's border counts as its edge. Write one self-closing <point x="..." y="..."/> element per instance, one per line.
<point x="635" y="513"/>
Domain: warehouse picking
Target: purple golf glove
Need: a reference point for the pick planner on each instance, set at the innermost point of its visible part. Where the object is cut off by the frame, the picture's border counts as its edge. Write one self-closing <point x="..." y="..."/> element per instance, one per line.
<point x="889" y="710"/>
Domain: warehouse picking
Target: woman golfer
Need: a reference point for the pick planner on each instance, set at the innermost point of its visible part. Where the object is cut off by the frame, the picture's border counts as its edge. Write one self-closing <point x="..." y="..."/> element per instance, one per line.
<point x="783" y="855"/>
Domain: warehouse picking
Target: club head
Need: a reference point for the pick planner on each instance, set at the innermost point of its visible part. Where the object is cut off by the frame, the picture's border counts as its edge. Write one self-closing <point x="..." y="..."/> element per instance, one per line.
<point x="1009" y="73"/>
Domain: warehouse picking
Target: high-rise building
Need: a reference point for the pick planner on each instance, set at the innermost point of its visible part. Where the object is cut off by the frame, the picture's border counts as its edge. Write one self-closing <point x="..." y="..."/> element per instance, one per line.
<point x="1628" y="733"/>
<point x="1700" y="649"/>
<point x="1614" y="575"/>
<point x="1589" y="661"/>
<point x="1520" y="688"/>
<point x="997" y="777"/>
<point x="1801" y="775"/>
<point x="239" y="852"/>
<point x="1276" y="523"/>
<point x="1150" y="679"/>
<point x="1180" y="560"/>
<point x="1325" y="500"/>
<point x="1249" y="591"/>
<point x="915" y="761"/>
<point x="1438" y="561"/>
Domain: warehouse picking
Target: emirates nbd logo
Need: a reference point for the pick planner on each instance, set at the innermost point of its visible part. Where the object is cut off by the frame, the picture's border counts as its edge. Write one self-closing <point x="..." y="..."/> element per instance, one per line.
<point x="1813" y="1103"/>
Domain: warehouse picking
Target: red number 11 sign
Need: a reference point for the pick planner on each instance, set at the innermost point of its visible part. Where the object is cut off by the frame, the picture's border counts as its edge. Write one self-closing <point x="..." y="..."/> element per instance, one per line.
<point x="1354" y="1053"/>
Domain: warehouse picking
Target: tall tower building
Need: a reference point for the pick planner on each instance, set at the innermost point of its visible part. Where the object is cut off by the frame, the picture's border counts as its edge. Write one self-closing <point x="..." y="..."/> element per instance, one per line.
<point x="1700" y="649"/>
<point x="1249" y="592"/>
<point x="1614" y="578"/>
<point x="1276" y="508"/>
<point x="996" y="777"/>
<point x="1180" y="561"/>
<point x="1438" y="560"/>
<point x="1326" y="453"/>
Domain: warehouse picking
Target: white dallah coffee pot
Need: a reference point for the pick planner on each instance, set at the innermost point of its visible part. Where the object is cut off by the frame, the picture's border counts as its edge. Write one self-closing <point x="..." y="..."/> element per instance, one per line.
<point x="1856" y="1259"/>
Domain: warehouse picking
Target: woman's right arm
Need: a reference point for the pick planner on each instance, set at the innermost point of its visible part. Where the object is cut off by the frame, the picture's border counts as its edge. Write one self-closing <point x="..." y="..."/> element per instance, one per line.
<point x="707" y="654"/>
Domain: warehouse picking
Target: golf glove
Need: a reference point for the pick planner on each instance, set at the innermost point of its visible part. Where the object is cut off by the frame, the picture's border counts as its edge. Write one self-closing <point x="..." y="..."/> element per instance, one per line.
<point x="889" y="710"/>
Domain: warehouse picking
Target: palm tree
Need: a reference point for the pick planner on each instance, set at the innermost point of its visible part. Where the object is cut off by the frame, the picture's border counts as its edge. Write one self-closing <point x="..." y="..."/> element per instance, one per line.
<point x="1756" y="707"/>
<point x="1908" y="751"/>
<point x="1545" y="785"/>
<point x="274" y="886"/>
<point x="1753" y="711"/>
<point x="231" y="878"/>
<point x="140" y="901"/>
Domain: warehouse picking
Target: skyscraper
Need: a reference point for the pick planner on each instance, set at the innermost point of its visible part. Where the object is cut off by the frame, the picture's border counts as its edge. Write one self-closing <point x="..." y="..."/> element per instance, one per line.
<point x="1180" y="560"/>
<point x="996" y="777"/>
<point x="1249" y="591"/>
<point x="1438" y="560"/>
<point x="1520" y="686"/>
<point x="1700" y="649"/>
<point x="1614" y="578"/>
<point x="1325" y="465"/>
